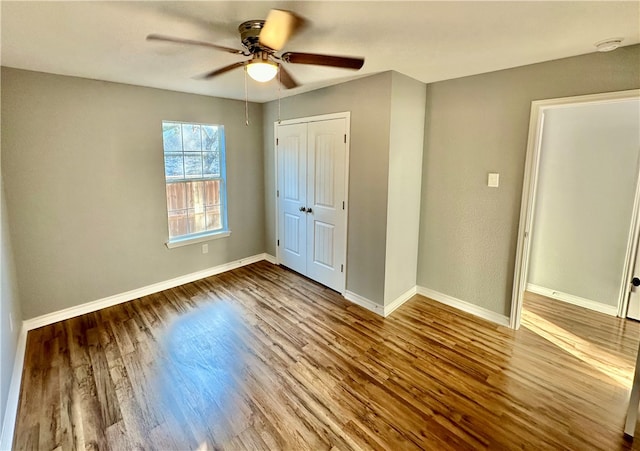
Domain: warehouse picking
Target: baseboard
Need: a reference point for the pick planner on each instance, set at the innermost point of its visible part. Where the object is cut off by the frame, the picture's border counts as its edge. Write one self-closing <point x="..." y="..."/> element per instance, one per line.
<point x="575" y="300"/>
<point x="464" y="306"/>
<point x="270" y="258"/>
<point x="127" y="296"/>
<point x="13" y="397"/>
<point x="404" y="297"/>
<point x="364" y="302"/>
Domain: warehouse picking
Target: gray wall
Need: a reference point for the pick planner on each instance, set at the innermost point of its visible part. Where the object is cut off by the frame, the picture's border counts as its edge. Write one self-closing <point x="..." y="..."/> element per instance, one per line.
<point x="368" y="100"/>
<point x="83" y="170"/>
<point x="586" y="186"/>
<point x="9" y="305"/>
<point x="476" y="125"/>
<point x="406" y="143"/>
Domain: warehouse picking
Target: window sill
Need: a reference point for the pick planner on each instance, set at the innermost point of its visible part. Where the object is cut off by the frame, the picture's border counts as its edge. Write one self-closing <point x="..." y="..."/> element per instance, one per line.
<point x="197" y="239"/>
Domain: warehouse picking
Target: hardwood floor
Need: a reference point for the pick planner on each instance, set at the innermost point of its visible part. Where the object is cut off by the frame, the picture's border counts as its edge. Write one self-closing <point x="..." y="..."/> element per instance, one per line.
<point x="262" y="358"/>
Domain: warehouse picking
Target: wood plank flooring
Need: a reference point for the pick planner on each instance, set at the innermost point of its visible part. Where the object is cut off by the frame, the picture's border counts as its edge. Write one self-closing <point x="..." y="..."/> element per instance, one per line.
<point x="262" y="358"/>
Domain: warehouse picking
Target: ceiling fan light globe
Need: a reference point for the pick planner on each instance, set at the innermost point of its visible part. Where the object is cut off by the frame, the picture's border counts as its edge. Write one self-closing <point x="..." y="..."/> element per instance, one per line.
<point x="262" y="71"/>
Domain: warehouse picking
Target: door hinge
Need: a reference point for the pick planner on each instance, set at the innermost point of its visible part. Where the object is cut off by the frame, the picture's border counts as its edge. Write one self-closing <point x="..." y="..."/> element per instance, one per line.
<point x="277" y="193"/>
<point x="278" y="242"/>
<point x="343" y="205"/>
<point x="345" y="138"/>
<point x="277" y="141"/>
<point x="341" y="268"/>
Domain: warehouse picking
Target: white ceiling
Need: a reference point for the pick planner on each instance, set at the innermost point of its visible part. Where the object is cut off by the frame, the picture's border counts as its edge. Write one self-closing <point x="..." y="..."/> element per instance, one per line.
<point x="428" y="41"/>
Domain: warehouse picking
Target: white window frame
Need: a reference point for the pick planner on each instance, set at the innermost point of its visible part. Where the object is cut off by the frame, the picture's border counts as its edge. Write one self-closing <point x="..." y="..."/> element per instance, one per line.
<point x="208" y="235"/>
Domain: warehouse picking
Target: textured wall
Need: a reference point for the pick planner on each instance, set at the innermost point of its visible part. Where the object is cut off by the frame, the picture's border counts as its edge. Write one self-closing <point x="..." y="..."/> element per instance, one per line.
<point x="406" y="144"/>
<point x="586" y="186"/>
<point x="369" y="100"/>
<point x="83" y="169"/>
<point x="9" y="305"/>
<point x="476" y="125"/>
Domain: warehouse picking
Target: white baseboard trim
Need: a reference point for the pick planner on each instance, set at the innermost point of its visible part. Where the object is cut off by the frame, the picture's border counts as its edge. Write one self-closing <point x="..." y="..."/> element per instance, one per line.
<point x="364" y="302"/>
<point x="127" y="296"/>
<point x="271" y="259"/>
<point x="404" y="297"/>
<point x="374" y="307"/>
<point x="13" y="397"/>
<point x="575" y="300"/>
<point x="464" y="306"/>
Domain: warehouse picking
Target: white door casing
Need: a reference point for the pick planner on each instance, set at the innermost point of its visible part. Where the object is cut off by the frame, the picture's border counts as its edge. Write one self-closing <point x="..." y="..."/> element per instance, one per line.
<point x="313" y="242"/>
<point x="633" y="310"/>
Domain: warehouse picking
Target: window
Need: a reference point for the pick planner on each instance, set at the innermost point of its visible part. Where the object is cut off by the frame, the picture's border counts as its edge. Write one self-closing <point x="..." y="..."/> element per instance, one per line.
<point x="194" y="168"/>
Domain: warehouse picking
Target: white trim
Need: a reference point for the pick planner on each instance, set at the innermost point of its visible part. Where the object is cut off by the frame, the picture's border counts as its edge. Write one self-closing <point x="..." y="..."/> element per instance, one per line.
<point x="127" y="296"/>
<point x="13" y="397"/>
<point x="404" y="297"/>
<point x="467" y="307"/>
<point x="197" y="239"/>
<point x="631" y="252"/>
<point x="271" y="259"/>
<point x="574" y="300"/>
<point x="318" y="118"/>
<point x="277" y="188"/>
<point x="529" y="186"/>
<point x="364" y="302"/>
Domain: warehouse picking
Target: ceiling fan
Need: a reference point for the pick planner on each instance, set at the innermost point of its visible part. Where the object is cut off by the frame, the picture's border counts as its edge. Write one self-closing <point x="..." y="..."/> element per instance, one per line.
<point x="261" y="40"/>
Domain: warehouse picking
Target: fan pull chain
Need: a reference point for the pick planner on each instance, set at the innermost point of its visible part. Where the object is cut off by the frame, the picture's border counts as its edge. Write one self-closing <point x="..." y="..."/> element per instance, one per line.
<point x="246" y="98"/>
<point x="279" y="90"/>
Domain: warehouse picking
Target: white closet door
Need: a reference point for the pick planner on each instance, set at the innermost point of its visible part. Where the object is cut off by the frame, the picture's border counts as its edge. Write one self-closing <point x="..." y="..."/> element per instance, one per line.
<point x="292" y="181"/>
<point x="326" y="222"/>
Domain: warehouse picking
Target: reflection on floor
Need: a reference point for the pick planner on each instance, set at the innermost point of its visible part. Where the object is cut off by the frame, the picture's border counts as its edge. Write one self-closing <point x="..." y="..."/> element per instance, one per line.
<point x="262" y="358"/>
<point x="601" y="341"/>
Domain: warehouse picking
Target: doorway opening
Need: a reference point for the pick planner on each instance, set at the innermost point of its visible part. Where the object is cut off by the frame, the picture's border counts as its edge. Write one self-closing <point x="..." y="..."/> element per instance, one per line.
<point x="563" y="228"/>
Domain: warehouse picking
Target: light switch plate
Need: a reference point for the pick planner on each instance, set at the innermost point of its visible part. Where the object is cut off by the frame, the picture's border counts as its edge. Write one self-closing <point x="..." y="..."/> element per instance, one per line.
<point x="493" y="180"/>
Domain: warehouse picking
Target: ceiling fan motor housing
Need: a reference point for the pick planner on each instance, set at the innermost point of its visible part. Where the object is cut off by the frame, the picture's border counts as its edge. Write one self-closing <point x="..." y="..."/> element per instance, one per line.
<point x="250" y="34"/>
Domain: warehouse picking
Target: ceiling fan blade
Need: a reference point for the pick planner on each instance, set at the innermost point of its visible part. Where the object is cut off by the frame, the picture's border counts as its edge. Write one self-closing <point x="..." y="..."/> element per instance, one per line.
<point x="160" y="37"/>
<point x="323" y="60"/>
<point x="224" y="69"/>
<point x="286" y="79"/>
<point x="278" y="28"/>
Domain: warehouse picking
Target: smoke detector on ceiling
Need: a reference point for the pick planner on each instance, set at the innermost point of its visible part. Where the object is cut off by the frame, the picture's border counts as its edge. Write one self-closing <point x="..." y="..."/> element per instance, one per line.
<point x="608" y="45"/>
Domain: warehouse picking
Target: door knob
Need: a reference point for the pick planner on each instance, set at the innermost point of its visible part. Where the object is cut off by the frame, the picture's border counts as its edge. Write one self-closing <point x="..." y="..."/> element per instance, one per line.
<point x="635" y="282"/>
<point x="302" y="209"/>
<point x="309" y="210"/>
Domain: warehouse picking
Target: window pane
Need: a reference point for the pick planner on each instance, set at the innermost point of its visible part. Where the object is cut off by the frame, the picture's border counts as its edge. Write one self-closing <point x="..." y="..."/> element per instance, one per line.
<point x="193" y="166"/>
<point x="196" y="221"/>
<point x="191" y="138"/>
<point x="173" y="167"/>
<point x="195" y="195"/>
<point x="176" y="196"/>
<point x="211" y="164"/>
<point x="214" y="219"/>
<point x="171" y="137"/>
<point x="178" y="225"/>
<point x="209" y="138"/>
<point x="212" y="192"/>
<point x="194" y="153"/>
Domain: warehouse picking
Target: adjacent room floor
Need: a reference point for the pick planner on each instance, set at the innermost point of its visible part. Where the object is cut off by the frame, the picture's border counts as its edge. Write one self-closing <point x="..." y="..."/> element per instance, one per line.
<point x="262" y="358"/>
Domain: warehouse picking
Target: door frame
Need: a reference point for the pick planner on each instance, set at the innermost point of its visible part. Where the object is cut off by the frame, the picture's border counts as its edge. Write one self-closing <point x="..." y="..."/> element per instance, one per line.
<point x="529" y="189"/>
<point x="319" y="118"/>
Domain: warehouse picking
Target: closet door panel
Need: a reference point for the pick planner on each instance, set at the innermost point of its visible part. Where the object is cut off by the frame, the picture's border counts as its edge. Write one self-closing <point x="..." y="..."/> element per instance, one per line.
<point x="325" y="196"/>
<point x="292" y="199"/>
